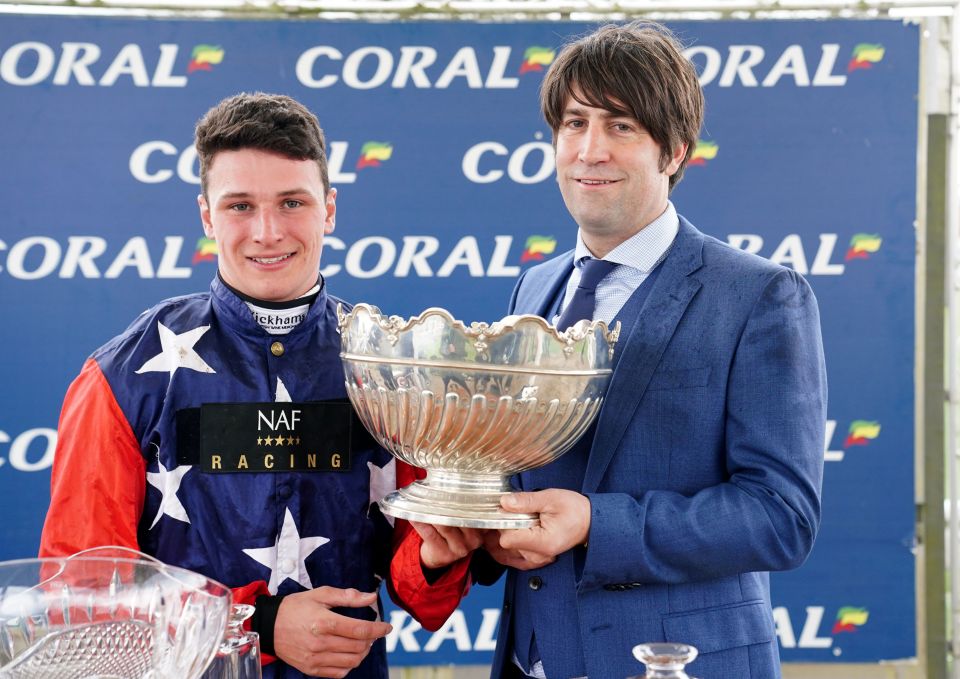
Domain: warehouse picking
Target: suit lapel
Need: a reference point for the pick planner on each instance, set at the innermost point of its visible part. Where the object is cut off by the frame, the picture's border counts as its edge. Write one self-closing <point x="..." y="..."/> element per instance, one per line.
<point x="642" y="350"/>
<point x="542" y="284"/>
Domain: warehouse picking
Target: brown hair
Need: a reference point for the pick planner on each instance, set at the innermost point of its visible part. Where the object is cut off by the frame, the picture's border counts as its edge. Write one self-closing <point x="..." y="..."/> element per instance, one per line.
<point x="637" y="70"/>
<point x="269" y="122"/>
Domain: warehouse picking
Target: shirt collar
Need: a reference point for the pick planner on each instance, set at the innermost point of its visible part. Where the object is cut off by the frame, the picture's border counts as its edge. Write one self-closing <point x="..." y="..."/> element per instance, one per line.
<point x="644" y="249"/>
<point x="234" y="312"/>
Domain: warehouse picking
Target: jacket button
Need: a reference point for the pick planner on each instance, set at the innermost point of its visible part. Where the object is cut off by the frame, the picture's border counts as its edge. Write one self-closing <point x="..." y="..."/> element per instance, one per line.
<point x="535" y="582"/>
<point x="276" y="349"/>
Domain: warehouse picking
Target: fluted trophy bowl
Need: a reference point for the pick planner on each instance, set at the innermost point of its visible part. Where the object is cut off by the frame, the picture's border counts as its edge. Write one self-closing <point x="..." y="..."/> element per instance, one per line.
<point x="100" y="617"/>
<point x="472" y="405"/>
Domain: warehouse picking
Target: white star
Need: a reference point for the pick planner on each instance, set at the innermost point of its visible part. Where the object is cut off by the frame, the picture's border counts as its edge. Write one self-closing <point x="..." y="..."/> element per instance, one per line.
<point x="168" y="483"/>
<point x="283" y="396"/>
<point x="177" y="352"/>
<point x="383" y="480"/>
<point x="286" y="559"/>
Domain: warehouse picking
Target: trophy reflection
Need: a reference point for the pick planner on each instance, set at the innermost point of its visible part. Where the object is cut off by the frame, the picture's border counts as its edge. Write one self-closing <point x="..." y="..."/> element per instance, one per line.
<point x="472" y="405"/>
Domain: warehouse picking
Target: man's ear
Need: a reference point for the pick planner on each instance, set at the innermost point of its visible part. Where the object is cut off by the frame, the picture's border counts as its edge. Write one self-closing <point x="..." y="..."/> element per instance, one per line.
<point x="679" y="153"/>
<point x="205" y="217"/>
<point x="330" y="208"/>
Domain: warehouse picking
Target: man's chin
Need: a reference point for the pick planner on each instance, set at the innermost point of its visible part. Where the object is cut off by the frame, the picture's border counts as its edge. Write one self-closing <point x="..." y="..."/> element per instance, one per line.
<point x="267" y="292"/>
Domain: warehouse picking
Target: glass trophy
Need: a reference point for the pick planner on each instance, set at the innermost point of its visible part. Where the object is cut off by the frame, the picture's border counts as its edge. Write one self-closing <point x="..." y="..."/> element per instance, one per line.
<point x="108" y="613"/>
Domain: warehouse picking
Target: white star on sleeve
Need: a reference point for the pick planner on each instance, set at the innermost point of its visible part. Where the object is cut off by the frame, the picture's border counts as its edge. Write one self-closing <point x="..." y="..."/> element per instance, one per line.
<point x="177" y="352"/>
<point x="286" y="559"/>
<point x="383" y="480"/>
<point x="168" y="483"/>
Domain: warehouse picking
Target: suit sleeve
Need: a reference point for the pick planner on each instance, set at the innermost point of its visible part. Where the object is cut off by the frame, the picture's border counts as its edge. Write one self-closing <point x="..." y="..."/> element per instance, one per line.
<point x="766" y="513"/>
<point x="430" y="602"/>
<point x="98" y="481"/>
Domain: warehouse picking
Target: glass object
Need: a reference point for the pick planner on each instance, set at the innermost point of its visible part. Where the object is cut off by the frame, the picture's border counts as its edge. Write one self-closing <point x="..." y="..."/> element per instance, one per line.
<point x="108" y="613"/>
<point x="239" y="655"/>
<point x="665" y="660"/>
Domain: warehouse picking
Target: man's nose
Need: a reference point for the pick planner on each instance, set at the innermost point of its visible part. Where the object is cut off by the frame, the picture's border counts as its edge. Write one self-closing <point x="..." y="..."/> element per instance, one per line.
<point x="268" y="227"/>
<point x="594" y="147"/>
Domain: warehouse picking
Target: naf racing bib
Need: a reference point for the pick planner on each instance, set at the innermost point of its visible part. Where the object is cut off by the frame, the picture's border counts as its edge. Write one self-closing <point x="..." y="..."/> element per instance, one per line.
<point x="225" y="438"/>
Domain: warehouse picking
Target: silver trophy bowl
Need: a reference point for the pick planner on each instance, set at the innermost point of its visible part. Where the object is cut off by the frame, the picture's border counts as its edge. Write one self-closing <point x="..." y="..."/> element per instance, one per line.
<point x="107" y="617"/>
<point x="471" y="405"/>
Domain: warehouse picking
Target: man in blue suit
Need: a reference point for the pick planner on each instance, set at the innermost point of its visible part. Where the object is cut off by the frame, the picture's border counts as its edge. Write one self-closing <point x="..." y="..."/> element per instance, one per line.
<point x="704" y="468"/>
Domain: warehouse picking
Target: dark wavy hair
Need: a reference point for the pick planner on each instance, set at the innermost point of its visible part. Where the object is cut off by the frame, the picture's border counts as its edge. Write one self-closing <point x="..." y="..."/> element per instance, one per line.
<point x="269" y="122"/>
<point x="636" y="70"/>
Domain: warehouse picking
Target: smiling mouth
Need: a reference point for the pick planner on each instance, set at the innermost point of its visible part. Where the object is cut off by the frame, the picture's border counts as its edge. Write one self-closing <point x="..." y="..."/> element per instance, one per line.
<point x="271" y="260"/>
<point x="596" y="182"/>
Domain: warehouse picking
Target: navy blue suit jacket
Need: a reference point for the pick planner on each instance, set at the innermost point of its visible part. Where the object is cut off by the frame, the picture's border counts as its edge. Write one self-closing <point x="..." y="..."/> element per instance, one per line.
<point x="704" y="474"/>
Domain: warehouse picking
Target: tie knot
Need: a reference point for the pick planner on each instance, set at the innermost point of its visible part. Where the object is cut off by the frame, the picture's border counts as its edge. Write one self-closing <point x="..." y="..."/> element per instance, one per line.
<point x="592" y="271"/>
<point x="584" y="299"/>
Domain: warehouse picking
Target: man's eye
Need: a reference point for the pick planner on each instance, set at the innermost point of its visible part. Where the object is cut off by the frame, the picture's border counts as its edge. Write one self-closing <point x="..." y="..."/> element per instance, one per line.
<point x="623" y="127"/>
<point x="292" y="203"/>
<point x="575" y="124"/>
<point x="240" y="207"/>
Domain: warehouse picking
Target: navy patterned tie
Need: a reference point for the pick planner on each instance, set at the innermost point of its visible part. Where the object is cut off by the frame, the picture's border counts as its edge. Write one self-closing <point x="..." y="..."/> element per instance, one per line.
<point x="584" y="299"/>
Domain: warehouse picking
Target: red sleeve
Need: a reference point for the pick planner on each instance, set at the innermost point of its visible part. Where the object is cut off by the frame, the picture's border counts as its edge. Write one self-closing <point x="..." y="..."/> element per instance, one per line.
<point x="430" y="604"/>
<point x="98" y="482"/>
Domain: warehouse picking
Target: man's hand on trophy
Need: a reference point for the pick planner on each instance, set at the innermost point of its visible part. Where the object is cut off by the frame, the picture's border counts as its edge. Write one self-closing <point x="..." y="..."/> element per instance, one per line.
<point x="319" y="642"/>
<point x="442" y="545"/>
<point x="514" y="558"/>
<point x="564" y="524"/>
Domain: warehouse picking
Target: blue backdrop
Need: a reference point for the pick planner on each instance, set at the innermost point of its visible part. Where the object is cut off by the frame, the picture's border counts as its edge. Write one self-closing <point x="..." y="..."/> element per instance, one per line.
<point x="444" y="170"/>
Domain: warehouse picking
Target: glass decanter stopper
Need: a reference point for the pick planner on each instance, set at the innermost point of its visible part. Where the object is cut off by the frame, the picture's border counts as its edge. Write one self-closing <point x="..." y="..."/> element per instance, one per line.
<point x="665" y="660"/>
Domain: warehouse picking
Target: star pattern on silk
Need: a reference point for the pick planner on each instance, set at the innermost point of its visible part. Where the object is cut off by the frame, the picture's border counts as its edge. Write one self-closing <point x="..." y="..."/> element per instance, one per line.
<point x="283" y="396"/>
<point x="177" y="352"/>
<point x="168" y="483"/>
<point x="286" y="559"/>
<point x="383" y="480"/>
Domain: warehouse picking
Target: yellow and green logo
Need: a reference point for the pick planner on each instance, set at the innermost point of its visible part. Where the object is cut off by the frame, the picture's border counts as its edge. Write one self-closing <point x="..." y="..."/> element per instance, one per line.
<point x="206" y="250"/>
<point x="205" y="57"/>
<point x="538" y="247"/>
<point x="704" y="151"/>
<point x="862" y="245"/>
<point x="535" y="58"/>
<point x="865" y="55"/>
<point x="861" y="433"/>
<point x="373" y="153"/>
<point x="849" y="618"/>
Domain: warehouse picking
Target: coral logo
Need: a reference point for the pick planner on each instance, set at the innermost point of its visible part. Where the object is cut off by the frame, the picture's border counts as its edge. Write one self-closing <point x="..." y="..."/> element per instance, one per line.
<point x="861" y="433"/>
<point x="538" y="247"/>
<point x="849" y="619"/>
<point x="373" y="153"/>
<point x="206" y="250"/>
<point x="535" y="58"/>
<point x="205" y="57"/>
<point x="862" y="245"/>
<point x="705" y="150"/>
<point x="865" y="55"/>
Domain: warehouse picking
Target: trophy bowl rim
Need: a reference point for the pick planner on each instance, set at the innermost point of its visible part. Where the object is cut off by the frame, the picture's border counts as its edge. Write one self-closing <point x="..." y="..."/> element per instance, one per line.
<point x="477" y="329"/>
